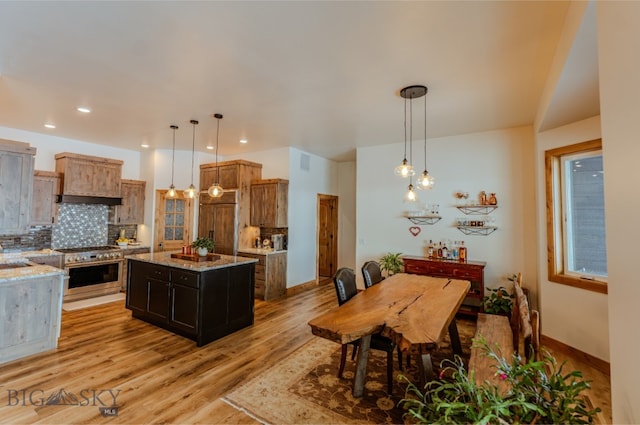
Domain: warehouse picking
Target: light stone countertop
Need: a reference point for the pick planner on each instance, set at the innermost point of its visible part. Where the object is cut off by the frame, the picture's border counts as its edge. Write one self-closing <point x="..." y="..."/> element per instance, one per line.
<point x="164" y="259"/>
<point x="12" y="255"/>
<point x="29" y="271"/>
<point x="261" y="251"/>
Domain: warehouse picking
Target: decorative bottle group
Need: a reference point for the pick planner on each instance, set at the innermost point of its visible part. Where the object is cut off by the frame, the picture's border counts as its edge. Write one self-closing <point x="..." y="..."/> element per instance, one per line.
<point x="455" y="250"/>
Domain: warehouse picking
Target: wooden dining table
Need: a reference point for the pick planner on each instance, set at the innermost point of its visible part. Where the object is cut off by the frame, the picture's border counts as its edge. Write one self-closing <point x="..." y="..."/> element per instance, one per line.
<point x="414" y="311"/>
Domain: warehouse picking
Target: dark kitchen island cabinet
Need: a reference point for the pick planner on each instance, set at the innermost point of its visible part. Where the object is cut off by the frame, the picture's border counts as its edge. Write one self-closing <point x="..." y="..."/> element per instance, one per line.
<point x="202" y="301"/>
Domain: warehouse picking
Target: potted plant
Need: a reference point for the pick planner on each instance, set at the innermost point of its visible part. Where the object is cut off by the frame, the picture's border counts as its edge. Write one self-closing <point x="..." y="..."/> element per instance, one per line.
<point x="499" y="301"/>
<point x="391" y="262"/>
<point x="540" y="392"/>
<point x="203" y="246"/>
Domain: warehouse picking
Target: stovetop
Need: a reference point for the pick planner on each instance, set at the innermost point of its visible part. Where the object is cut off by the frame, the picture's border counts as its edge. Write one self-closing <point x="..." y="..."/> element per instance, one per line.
<point x="91" y="254"/>
<point x="86" y="249"/>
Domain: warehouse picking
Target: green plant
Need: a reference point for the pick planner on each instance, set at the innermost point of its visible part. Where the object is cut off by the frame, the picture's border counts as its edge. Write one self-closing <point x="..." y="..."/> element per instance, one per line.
<point x="391" y="262"/>
<point x="204" y="243"/>
<point x="540" y="392"/>
<point x="499" y="301"/>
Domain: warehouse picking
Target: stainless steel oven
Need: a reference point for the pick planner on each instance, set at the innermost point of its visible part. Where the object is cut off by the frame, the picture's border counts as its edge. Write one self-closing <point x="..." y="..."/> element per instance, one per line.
<point x="92" y="271"/>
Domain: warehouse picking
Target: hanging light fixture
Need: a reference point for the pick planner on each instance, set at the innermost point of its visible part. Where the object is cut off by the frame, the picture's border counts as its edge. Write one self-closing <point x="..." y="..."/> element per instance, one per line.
<point x="215" y="190"/>
<point x="425" y="181"/>
<point x="171" y="193"/>
<point x="405" y="169"/>
<point x="191" y="191"/>
<point x="410" y="92"/>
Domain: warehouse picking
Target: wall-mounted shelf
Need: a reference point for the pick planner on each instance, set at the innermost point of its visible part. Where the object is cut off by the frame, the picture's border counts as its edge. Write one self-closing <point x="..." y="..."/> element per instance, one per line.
<point x="424" y="219"/>
<point x="477" y="209"/>
<point x="477" y="230"/>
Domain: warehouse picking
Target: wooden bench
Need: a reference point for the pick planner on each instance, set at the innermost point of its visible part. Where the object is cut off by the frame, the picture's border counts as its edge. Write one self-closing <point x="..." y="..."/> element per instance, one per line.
<point x="504" y="336"/>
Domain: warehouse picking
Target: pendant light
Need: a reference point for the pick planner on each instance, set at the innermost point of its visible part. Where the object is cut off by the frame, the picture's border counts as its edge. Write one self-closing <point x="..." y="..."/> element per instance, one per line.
<point x="425" y="181"/>
<point x="411" y="92"/>
<point x="171" y="193"/>
<point x="191" y="191"/>
<point x="405" y="169"/>
<point x="215" y="190"/>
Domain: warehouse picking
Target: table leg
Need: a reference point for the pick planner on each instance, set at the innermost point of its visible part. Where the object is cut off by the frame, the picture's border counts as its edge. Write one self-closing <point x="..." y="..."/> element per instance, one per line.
<point x="456" y="346"/>
<point x="361" y="366"/>
<point x="425" y="369"/>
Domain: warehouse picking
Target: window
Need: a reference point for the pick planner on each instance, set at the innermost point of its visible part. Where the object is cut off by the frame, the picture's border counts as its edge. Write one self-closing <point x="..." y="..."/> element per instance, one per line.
<point x="576" y="245"/>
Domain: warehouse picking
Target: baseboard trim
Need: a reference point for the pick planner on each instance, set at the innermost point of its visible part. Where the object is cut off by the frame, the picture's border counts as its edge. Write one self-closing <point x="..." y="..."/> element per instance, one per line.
<point x="596" y="363"/>
<point x="301" y="288"/>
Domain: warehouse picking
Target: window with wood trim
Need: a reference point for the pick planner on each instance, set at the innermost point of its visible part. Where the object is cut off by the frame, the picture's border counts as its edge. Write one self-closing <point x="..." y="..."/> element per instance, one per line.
<point x="576" y="248"/>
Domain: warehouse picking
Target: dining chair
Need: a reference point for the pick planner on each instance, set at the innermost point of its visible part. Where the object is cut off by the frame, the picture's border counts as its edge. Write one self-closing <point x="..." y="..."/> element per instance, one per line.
<point x="345" y="284"/>
<point x="371" y="273"/>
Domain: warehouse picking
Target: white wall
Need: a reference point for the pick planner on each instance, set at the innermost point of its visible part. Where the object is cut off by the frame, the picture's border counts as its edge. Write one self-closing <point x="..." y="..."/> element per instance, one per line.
<point x="618" y="47"/>
<point x="347" y="215"/>
<point x="574" y="316"/>
<point x="496" y="161"/>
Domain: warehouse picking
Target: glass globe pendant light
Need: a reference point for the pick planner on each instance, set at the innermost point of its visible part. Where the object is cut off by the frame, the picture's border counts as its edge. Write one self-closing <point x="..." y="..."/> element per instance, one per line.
<point x="171" y="193"/>
<point x="425" y="181"/>
<point x="405" y="169"/>
<point x="215" y="190"/>
<point x="411" y="195"/>
<point x="191" y="192"/>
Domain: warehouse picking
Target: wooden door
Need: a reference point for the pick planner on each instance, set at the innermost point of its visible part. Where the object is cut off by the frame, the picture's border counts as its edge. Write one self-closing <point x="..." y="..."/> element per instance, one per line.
<point x="327" y="235"/>
<point x="172" y="222"/>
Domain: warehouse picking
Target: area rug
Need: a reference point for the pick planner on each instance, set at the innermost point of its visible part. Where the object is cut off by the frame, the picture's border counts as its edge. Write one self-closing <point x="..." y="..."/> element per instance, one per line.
<point x="304" y="387"/>
<point x="90" y="302"/>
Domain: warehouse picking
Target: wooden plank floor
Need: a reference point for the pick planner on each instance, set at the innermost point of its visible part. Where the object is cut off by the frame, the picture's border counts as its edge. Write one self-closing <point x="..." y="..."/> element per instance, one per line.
<point x="161" y="377"/>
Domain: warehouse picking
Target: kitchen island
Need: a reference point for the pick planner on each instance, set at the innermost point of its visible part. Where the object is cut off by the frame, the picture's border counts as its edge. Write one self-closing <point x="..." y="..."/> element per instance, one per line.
<point x="30" y="307"/>
<point x="202" y="301"/>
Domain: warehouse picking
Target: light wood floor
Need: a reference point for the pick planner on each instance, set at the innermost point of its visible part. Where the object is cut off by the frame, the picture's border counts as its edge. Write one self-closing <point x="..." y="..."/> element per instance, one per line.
<point x="163" y="378"/>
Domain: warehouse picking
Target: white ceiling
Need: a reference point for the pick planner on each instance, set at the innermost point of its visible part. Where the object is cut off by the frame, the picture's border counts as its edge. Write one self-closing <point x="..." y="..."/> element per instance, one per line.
<point x="320" y="76"/>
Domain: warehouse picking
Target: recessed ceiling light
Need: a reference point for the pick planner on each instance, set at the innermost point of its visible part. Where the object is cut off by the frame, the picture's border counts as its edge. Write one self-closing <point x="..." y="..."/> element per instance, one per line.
<point x="83" y="110"/>
<point x="50" y="126"/>
<point x="243" y="140"/>
<point x="145" y="145"/>
<point x="210" y="147"/>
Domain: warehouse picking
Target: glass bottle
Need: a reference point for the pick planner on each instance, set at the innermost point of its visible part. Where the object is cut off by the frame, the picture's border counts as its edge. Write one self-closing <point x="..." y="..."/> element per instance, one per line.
<point x="445" y="251"/>
<point x="439" y="249"/>
<point x="430" y="249"/>
<point x="462" y="252"/>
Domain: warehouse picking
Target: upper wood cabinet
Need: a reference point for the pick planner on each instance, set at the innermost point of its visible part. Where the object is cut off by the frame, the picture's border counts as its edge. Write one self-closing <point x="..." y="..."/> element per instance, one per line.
<point x="228" y="224"/>
<point x="132" y="209"/>
<point x="46" y="185"/>
<point x="84" y="175"/>
<point x="269" y="203"/>
<point x="16" y="186"/>
<point x="236" y="174"/>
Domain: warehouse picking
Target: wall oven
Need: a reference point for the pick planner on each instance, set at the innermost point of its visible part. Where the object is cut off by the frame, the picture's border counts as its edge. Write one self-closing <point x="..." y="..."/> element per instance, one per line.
<point x="92" y="271"/>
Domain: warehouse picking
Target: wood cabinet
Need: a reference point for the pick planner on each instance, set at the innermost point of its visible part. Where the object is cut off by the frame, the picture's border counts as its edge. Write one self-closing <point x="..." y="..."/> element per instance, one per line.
<point x="84" y="175"/>
<point x="217" y="220"/>
<point x="226" y="219"/>
<point x="236" y="174"/>
<point x="202" y="306"/>
<point x="271" y="274"/>
<point x="46" y="186"/>
<point x="473" y="271"/>
<point x="16" y="186"/>
<point x="269" y="203"/>
<point x="132" y="209"/>
<point x="30" y="313"/>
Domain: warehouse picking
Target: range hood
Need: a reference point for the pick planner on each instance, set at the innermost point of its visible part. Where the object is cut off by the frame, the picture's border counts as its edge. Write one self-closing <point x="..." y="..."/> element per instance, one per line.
<point x="79" y="199"/>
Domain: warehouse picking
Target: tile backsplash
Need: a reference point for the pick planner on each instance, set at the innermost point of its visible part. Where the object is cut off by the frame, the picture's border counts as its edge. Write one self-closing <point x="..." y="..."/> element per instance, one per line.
<point x="80" y="225"/>
<point x="39" y="237"/>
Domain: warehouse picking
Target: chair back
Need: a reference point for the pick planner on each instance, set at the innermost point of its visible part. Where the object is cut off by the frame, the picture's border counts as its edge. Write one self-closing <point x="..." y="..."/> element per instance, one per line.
<point x="345" y="284"/>
<point x="371" y="273"/>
